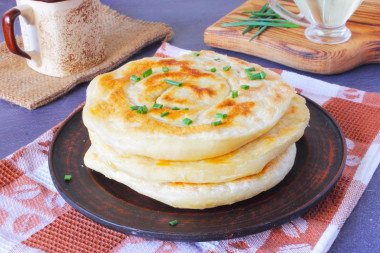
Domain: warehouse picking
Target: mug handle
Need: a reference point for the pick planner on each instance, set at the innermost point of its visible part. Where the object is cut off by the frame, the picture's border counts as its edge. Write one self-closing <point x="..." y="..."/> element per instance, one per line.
<point x="296" y="19"/>
<point x="9" y="19"/>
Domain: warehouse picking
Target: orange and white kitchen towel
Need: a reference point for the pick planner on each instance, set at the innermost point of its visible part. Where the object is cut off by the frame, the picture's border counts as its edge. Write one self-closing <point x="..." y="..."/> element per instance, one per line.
<point x="35" y="218"/>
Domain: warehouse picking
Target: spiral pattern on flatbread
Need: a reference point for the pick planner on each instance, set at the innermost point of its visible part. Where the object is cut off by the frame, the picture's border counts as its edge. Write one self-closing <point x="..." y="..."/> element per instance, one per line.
<point x="206" y="89"/>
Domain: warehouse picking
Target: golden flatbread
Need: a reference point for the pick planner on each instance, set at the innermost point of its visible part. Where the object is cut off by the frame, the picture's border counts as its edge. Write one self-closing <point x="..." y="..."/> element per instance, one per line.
<point x="195" y="88"/>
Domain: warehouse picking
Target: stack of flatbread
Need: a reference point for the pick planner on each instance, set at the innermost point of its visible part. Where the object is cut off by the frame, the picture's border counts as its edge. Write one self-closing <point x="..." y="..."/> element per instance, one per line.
<point x="198" y="131"/>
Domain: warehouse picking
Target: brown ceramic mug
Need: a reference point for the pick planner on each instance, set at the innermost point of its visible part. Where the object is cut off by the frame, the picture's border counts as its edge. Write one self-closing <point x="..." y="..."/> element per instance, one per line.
<point x="60" y="37"/>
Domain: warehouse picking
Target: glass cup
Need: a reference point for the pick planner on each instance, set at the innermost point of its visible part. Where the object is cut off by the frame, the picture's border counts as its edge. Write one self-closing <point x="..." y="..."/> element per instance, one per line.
<point x="325" y="19"/>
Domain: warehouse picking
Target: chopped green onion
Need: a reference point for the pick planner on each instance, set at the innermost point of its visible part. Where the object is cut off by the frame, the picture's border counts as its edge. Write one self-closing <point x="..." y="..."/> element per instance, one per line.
<point x="248" y="72"/>
<point x="147" y="73"/>
<point x="173" y="222"/>
<point x="175" y="83"/>
<point x="215" y="123"/>
<point x="185" y="109"/>
<point x="175" y="108"/>
<point x="135" y="78"/>
<point x="213" y="70"/>
<point x="164" y="114"/>
<point x="250" y="75"/>
<point x="135" y="107"/>
<point x="68" y="177"/>
<point x="165" y="69"/>
<point x="245" y="87"/>
<point x="260" y="75"/>
<point x="196" y="54"/>
<point x="142" y="109"/>
<point x="221" y="115"/>
<point x="216" y="59"/>
<point x="234" y="94"/>
<point x="157" y="106"/>
<point x="187" y="121"/>
<point x="226" y="68"/>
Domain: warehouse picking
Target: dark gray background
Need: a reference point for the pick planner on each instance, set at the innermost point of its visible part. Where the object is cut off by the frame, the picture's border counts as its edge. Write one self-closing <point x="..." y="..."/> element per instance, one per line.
<point x="189" y="19"/>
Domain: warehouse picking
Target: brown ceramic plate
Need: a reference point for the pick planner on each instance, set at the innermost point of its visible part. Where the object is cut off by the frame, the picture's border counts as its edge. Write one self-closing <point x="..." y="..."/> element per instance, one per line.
<point x="319" y="163"/>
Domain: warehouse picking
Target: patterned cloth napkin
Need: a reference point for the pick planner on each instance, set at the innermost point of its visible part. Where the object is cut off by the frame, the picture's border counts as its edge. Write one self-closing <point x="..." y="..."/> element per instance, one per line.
<point x="35" y="218"/>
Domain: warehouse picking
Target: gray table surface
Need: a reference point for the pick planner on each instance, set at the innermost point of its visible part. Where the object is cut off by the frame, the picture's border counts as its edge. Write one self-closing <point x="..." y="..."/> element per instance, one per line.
<point x="189" y="19"/>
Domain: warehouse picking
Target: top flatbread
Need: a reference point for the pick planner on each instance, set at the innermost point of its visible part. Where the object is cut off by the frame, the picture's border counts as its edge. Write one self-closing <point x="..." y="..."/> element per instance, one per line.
<point x="107" y="111"/>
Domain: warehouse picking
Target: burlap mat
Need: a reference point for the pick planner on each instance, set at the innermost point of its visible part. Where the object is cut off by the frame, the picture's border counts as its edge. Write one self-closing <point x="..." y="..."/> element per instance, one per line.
<point x="124" y="36"/>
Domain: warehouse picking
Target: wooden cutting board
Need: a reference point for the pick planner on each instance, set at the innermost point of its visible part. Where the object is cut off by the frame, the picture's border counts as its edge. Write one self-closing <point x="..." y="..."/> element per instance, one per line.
<point x="291" y="48"/>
